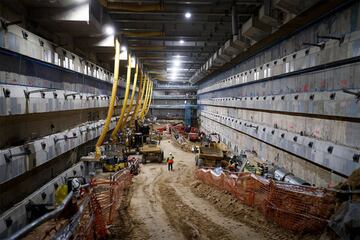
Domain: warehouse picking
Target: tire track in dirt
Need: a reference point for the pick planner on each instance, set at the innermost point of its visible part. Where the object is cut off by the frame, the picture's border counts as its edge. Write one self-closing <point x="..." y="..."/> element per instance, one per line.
<point x="145" y="206"/>
<point x="196" y="212"/>
<point x="190" y="222"/>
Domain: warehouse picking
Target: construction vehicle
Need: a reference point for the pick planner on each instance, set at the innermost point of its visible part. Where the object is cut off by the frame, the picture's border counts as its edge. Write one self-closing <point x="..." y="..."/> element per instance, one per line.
<point x="152" y="153"/>
<point x="212" y="152"/>
<point x="114" y="163"/>
<point x="193" y="135"/>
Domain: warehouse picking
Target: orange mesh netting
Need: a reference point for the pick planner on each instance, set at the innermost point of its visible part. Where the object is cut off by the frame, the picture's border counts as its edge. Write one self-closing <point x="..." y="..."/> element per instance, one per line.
<point x="294" y="207"/>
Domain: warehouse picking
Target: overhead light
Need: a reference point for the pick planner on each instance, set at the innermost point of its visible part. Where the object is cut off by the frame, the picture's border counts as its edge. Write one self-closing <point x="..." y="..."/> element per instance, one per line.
<point x="109" y="30"/>
<point x="188" y="15"/>
<point x="177" y="56"/>
<point x="181" y="41"/>
<point x="177" y="63"/>
<point x="123" y="49"/>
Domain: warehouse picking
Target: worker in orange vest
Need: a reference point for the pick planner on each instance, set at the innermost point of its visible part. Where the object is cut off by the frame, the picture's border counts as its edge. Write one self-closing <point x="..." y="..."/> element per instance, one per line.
<point x="170" y="162"/>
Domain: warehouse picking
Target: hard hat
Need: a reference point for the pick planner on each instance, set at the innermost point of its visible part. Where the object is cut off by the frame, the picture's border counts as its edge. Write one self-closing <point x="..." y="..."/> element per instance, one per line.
<point x="170" y="153"/>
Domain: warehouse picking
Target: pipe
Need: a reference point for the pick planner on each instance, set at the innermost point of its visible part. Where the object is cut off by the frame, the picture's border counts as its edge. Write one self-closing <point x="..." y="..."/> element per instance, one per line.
<point x="112" y="101"/>
<point x="28" y="228"/>
<point x="128" y="111"/>
<point x="118" y="124"/>
<point x="146" y="100"/>
<point x="138" y="100"/>
<point x="149" y="103"/>
<point x="143" y="34"/>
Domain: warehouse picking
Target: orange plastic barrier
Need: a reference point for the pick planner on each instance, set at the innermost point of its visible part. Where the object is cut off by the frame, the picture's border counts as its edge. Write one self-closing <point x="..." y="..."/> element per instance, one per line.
<point x="97" y="211"/>
<point x="293" y="207"/>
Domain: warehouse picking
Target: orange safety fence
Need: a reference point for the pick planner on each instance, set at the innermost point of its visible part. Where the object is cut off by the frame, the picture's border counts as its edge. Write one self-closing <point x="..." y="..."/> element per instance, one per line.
<point x="98" y="208"/>
<point x="293" y="207"/>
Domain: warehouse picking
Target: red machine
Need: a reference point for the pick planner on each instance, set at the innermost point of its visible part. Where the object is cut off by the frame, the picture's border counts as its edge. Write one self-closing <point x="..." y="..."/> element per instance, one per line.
<point x="194" y="135"/>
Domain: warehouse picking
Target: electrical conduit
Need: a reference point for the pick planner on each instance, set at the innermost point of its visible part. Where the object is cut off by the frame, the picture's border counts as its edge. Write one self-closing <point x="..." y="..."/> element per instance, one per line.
<point x="112" y="101"/>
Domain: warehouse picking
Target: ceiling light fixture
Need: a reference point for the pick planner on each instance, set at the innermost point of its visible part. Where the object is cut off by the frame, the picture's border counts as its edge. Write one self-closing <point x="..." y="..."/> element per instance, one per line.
<point x="181" y="41"/>
<point x="109" y="30"/>
<point x="123" y="48"/>
<point x="177" y="63"/>
<point x="188" y="15"/>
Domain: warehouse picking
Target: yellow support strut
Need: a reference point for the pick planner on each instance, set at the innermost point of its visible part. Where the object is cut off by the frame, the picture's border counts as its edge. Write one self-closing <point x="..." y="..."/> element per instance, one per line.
<point x="118" y="124"/>
<point x="128" y="110"/>
<point x="138" y="100"/>
<point x="148" y="107"/>
<point x="143" y="96"/>
<point x="112" y="101"/>
<point x="146" y="99"/>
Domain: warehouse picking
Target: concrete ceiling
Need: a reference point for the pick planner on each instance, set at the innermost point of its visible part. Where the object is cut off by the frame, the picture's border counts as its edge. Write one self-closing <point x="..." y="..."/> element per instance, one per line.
<point x="152" y="30"/>
<point x="209" y="27"/>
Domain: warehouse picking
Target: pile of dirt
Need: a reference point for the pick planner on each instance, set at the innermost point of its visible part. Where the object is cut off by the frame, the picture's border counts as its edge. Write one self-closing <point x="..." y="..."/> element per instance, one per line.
<point x="352" y="183"/>
<point x="230" y="206"/>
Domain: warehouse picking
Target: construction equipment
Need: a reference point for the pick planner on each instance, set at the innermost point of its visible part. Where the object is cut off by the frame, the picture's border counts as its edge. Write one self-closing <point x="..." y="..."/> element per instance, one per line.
<point x="209" y="156"/>
<point x="152" y="153"/>
<point x="114" y="164"/>
<point x="212" y="152"/>
<point x="193" y="135"/>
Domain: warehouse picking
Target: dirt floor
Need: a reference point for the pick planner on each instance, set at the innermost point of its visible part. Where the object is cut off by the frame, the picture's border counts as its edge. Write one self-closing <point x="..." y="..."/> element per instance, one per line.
<point x="173" y="205"/>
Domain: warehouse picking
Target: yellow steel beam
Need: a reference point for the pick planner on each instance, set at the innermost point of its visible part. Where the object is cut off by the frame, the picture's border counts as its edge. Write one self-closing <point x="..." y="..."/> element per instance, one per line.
<point x="138" y="100"/>
<point x="118" y="124"/>
<point x="146" y="99"/>
<point x="112" y="101"/>
<point x="143" y="96"/>
<point x="128" y="111"/>
<point x="151" y="91"/>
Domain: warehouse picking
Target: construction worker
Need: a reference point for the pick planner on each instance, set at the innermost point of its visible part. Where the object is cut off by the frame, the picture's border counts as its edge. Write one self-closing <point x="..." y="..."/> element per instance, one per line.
<point x="170" y="162"/>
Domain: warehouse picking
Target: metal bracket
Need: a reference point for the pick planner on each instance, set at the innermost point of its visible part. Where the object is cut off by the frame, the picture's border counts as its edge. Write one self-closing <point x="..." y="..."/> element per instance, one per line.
<point x="5" y="25"/>
<point x="357" y="94"/>
<point x="42" y="91"/>
<point x="65" y="138"/>
<point x="6" y="92"/>
<point x="9" y="156"/>
<point x="90" y="96"/>
<point x="319" y="45"/>
<point x="340" y="39"/>
<point x="71" y="95"/>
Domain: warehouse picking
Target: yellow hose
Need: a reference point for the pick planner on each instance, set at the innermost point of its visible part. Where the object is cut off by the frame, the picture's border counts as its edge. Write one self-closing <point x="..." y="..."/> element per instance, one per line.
<point x="128" y="110"/>
<point x="146" y="99"/>
<point x="138" y="100"/>
<point x="148" y="106"/>
<point x="118" y="124"/>
<point x="112" y="101"/>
